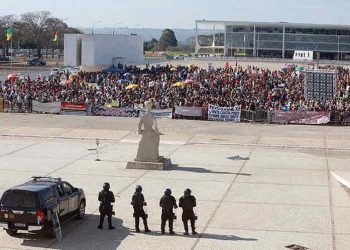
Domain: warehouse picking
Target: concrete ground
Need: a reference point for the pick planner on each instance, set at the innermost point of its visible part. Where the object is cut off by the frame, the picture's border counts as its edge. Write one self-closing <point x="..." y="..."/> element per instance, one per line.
<point x="258" y="186"/>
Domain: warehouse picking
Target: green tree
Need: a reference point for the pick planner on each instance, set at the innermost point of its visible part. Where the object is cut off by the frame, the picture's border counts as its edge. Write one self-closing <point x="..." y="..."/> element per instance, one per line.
<point x="167" y="39"/>
<point x="149" y="45"/>
<point x="37" y="25"/>
<point x="33" y="30"/>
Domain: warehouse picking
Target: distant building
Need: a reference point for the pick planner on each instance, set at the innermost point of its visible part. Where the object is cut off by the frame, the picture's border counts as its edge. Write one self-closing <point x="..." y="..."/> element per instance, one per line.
<point x="102" y="50"/>
<point x="267" y="39"/>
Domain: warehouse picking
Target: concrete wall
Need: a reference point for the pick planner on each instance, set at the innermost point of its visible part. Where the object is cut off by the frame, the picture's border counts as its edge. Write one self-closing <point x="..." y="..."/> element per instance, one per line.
<point x="72" y="49"/>
<point x="97" y="50"/>
<point x="88" y="51"/>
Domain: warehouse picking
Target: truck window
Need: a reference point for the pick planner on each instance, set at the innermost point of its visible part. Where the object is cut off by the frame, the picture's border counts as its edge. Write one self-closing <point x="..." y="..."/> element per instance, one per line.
<point x="60" y="191"/>
<point x="67" y="188"/>
<point x="47" y="195"/>
<point x="19" y="198"/>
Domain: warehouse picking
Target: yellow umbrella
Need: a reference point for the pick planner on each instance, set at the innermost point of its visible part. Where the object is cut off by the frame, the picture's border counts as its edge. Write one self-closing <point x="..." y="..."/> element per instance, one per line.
<point x="132" y="86"/>
<point x="179" y="84"/>
<point x="173" y="69"/>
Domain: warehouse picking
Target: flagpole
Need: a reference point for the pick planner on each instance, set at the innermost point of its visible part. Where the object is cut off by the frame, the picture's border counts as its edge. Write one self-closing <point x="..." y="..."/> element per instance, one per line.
<point x="59" y="52"/>
<point x="11" y="55"/>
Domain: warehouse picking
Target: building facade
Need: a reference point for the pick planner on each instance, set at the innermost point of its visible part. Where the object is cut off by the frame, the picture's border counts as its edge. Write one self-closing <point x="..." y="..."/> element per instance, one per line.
<point x="101" y="50"/>
<point x="278" y="40"/>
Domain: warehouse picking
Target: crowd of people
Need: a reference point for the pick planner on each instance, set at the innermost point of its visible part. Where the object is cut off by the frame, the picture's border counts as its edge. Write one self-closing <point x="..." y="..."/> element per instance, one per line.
<point x="251" y="88"/>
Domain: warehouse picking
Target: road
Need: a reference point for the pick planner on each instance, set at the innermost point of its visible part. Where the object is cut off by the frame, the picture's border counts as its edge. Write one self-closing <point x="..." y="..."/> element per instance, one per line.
<point x="258" y="186"/>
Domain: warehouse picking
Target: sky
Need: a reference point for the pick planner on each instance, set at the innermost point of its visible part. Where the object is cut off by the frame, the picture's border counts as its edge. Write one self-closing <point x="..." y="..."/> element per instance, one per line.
<point x="182" y="13"/>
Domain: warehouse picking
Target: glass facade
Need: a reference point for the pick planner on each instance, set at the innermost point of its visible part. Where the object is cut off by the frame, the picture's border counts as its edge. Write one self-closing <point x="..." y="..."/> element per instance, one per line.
<point x="279" y="39"/>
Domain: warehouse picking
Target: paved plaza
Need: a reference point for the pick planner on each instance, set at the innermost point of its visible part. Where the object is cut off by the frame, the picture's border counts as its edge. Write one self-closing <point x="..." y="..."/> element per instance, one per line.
<point x="258" y="186"/>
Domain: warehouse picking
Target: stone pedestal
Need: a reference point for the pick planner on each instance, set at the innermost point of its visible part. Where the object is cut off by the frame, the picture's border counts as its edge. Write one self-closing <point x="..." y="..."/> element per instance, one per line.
<point x="161" y="164"/>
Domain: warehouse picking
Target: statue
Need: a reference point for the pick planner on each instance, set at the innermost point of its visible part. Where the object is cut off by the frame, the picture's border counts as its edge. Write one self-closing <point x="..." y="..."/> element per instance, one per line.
<point x="148" y="150"/>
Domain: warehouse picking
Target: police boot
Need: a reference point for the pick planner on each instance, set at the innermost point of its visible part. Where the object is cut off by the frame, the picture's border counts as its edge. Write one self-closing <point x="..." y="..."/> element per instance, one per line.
<point x="137" y="223"/>
<point x="193" y="228"/>
<point x="100" y="225"/>
<point x="185" y="227"/>
<point x="163" y="226"/>
<point x="110" y="223"/>
<point x="171" y="230"/>
<point x="146" y="227"/>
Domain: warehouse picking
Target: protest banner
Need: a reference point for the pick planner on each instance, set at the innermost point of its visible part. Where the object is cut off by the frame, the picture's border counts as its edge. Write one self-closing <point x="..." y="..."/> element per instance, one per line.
<point x="159" y="113"/>
<point x="189" y="111"/>
<point x="118" y="112"/>
<point x="227" y="114"/>
<point x="50" y="107"/>
<point x="300" y="117"/>
<point x="73" y="106"/>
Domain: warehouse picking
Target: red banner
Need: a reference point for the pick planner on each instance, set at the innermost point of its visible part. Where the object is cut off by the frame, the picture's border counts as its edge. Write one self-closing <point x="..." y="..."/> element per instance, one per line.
<point x="73" y="106"/>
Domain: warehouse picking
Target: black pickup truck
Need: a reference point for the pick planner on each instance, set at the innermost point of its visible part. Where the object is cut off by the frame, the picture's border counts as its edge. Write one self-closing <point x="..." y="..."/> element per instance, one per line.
<point x="33" y="205"/>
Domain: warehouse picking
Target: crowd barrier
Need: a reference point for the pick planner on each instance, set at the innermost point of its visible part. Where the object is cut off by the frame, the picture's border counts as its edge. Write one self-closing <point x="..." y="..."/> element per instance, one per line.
<point x="190" y="113"/>
<point x="212" y="112"/>
<point x="14" y="107"/>
<point x="340" y="118"/>
<point x="254" y="116"/>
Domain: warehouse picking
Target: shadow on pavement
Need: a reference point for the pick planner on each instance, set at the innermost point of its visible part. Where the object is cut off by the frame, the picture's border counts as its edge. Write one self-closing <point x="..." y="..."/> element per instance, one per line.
<point x="200" y="170"/>
<point x="224" y="237"/>
<point x="238" y="158"/>
<point x="82" y="235"/>
<point x="204" y="236"/>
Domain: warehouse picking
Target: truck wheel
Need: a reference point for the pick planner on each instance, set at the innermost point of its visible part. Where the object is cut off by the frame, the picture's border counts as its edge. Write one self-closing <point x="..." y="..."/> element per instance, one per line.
<point x="81" y="210"/>
<point x="11" y="232"/>
<point x="49" y="232"/>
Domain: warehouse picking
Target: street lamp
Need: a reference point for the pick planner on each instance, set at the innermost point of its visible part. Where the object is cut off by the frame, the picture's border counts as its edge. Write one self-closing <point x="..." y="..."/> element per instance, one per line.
<point x="115" y="26"/>
<point x="92" y="29"/>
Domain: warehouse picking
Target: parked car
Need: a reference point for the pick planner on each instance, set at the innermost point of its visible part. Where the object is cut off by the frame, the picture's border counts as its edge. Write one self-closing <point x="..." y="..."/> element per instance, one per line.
<point x="36" y="62"/>
<point x="54" y="71"/>
<point x="74" y="70"/>
<point x="33" y="205"/>
<point x="4" y="58"/>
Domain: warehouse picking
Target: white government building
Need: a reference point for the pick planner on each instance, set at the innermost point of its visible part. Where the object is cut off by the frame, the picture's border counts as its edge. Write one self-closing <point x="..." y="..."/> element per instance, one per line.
<point x="93" y="50"/>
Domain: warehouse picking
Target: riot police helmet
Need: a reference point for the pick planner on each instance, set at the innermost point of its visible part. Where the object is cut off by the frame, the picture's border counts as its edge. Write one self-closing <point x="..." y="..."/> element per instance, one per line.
<point x="106" y="186"/>
<point x="187" y="191"/>
<point x="138" y="189"/>
<point x="167" y="191"/>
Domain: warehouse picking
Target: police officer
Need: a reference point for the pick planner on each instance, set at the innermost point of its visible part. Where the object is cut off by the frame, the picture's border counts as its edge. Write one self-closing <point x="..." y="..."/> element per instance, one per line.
<point x="106" y="197"/>
<point x="138" y="201"/>
<point x="167" y="202"/>
<point x="188" y="202"/>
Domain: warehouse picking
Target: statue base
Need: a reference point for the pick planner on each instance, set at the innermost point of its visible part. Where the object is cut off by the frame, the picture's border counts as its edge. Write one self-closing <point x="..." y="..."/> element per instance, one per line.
<point x="161" y="164"/>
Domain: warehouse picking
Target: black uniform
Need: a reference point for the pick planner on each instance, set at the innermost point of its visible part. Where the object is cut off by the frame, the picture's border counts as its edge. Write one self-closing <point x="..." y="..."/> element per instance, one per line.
<point x="188" y="202"/>
<point x="138" y="201"/>
<point x="167" y="202"/>
<point x="106" y="197"/>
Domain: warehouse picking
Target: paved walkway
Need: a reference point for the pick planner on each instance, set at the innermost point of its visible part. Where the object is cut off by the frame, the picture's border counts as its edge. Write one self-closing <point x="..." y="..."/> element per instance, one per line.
<point x="257" y="186"/>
